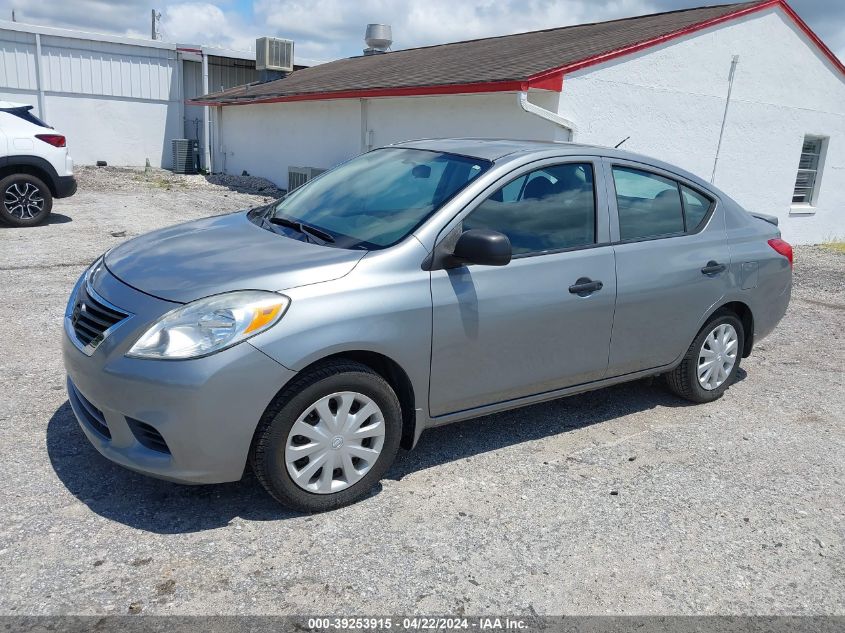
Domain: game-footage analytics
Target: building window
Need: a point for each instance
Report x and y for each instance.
(809, 171)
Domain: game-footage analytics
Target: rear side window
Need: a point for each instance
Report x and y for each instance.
(547, 209)
(26, 114)
(696, 207)
(649, 205)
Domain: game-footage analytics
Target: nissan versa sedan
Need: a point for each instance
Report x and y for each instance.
(413, 286)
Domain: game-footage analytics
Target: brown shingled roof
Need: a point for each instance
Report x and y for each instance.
(509, 62)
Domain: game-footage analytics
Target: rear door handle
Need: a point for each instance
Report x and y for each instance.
(585, 287)
(713, 268)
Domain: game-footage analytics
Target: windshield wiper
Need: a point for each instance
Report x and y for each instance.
(305, 229)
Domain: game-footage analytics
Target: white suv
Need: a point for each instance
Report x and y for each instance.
(35, 166)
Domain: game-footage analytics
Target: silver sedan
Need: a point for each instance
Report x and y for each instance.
(413, 286)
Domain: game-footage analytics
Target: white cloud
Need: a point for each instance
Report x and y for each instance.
(205, 23)
(333, 28)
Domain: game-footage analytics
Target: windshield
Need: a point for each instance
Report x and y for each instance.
(378, 198)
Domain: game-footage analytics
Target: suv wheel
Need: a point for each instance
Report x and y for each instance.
(711, 362)
(328, 438)
(27, 201)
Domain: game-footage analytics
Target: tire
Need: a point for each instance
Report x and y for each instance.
(26, 200)
(348, 385)
(684, 379)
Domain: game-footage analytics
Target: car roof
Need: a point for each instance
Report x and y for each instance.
(486, 148)
(11, 105)
(496, 149)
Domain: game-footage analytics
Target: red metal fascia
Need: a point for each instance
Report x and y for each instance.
(815, 38)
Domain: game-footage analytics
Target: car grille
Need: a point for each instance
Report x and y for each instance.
(147, 436)
(92, 318)
(88, 412)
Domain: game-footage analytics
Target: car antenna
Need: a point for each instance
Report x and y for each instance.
(620, 142)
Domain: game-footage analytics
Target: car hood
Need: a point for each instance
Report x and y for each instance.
(205, 257)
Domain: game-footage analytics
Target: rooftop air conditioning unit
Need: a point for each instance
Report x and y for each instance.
(298, 176)
(272, 53)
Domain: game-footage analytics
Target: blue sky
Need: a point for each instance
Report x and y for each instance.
(328, 29)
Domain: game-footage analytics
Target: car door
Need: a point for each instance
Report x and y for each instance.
(671, 260)
(501, 333)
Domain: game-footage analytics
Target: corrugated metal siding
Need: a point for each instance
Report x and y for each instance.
(104, 68)
(17, 60)
(92, 67)
(226, 73)
(221, 72)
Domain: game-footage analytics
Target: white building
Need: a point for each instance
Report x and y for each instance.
(741, 94)
(117, 99)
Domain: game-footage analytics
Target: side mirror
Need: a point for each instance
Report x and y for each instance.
(483, 247)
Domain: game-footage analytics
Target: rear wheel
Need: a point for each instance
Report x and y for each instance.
(328, 438)
(27, 201)
(711, 362)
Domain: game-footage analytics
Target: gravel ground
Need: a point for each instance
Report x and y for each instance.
(622, 501)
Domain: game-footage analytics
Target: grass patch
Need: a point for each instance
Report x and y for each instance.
(837, 247)
(160, 182)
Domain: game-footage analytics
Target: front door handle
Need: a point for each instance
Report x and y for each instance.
(585, 287)
(713, 268)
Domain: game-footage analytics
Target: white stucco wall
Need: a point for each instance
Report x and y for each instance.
(266, 139)
(670, 101)
(118, 131)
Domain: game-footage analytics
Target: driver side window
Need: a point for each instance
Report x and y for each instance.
(548, 209)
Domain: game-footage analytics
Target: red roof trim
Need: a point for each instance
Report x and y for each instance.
(551, 79)
(610, 55)
(815, 38)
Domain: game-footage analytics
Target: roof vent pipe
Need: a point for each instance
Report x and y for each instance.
(378, 37)
(548, 115)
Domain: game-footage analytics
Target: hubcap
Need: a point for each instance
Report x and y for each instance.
(335, 442)
(23, 200)
(717, 356)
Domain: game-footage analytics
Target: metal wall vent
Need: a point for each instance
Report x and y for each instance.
(298, 176)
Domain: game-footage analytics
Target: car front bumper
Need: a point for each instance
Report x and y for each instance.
(189, 421)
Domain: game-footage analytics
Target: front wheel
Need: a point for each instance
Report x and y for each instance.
(328, 437)
(711, 362)
(27, 201)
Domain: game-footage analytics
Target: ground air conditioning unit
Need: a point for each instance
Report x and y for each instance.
(298, 176)
(272, 53)
(185, 152)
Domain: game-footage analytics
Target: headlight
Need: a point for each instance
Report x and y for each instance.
(209, 325)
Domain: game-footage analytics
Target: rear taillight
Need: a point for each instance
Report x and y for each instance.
(56, 140)
(784, 248)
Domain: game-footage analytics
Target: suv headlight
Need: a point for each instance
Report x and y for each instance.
(210, 325)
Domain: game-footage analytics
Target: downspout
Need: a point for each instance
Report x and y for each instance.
(365, 125)
(206, 117)
(734, 62)
(548, 115)
(39, 79)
